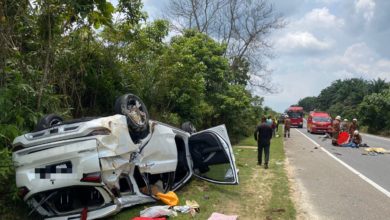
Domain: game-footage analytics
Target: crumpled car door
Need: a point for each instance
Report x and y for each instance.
(159, 155)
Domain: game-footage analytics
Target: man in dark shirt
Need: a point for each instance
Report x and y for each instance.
(263, 135)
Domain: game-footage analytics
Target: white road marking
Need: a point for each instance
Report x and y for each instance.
(369, 181)
(377, 137)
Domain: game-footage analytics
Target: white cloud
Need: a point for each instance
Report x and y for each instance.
(321, 18)
(365, 7)
(327, 1)
(358, 60)
(300, 41)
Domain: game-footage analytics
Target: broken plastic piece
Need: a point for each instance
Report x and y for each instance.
(194, 207)
(157, 211)
(182, 209)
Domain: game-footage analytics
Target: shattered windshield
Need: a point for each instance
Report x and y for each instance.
(295, 114)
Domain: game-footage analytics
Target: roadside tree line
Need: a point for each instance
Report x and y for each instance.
(366, 100)
(74, 58)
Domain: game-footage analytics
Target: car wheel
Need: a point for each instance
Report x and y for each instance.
(135, 111)
(188, 127)
(48, 121)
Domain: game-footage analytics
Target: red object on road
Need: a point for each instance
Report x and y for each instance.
(343, 138)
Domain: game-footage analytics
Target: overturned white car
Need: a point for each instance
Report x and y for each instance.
(99, 166)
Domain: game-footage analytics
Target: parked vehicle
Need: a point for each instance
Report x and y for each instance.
(319, 122)
(101, 165)
(295, 113)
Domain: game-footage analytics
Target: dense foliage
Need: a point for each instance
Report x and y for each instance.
(375, 111)
(74, 59)
(355, 98)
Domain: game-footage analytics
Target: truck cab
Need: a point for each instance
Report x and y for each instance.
(295, 113)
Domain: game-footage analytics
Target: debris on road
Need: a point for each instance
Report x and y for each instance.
(378, 150)
(370, 153)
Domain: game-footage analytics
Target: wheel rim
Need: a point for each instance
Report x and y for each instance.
(55, 122)
(135, 112)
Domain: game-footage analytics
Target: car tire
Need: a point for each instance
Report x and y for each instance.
(48, 121)
(188, 127)
(135, 111)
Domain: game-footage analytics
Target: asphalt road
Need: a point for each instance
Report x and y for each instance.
(376, 168)
(339, 182)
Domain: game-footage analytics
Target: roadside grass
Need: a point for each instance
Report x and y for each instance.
(261, 194)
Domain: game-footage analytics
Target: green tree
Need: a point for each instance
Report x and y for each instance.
(378, 85)
(374, 111)
(343, 96)
(308, 103)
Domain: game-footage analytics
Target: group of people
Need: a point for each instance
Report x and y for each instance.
(269, 126)
(339, 126)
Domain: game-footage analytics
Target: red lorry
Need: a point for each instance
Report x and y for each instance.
(295, 113)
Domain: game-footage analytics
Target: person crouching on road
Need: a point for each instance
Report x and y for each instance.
(263, 135)
(287, 126)
(335, 130)
(355, 141)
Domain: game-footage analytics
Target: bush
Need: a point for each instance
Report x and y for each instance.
(374, 111)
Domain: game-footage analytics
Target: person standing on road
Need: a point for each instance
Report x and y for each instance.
(263, 135)
(287, 126)
(353, 127)
(273, 126)
(336, 129)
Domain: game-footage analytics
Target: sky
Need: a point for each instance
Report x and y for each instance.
(324, 40)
